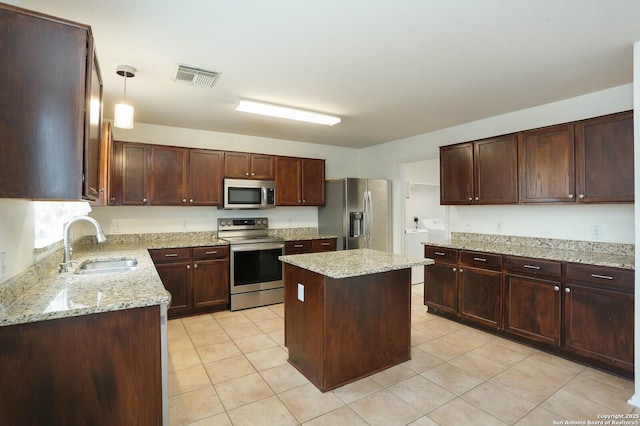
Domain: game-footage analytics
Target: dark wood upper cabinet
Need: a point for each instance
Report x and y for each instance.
(205, 177)
(243, 165)
(49, 140)
(480, 172)
(456, 174)
(604, 159)
(547, 165)
(129, 184)
(496, 170)
(300, 181)
(169, 167)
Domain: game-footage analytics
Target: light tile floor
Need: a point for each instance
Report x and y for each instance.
(230, 368)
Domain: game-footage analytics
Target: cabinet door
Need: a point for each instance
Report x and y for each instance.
(210, 283)
(480, 296)
(130, 175)
(237, 165)
(604, 159)
(288, 185)
(92, 188)
(205, 177)
(456, 174)
(441, 287)
(547, 165)
(263, 167)
(43, 99)
(496, 170)
(598, 323)
(533, 308)
(175, 277)
(312, 182)
(168, 175)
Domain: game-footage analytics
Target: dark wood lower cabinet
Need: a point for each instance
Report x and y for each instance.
(532, 308)
(579, 311)
(479, 295)
(197, 278)
(99, 369)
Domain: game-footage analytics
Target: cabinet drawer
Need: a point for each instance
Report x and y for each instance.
(166, 255)
(328, 244)
(441, 254)
(214, 252)
(481, 260)
(297, 247)
(531, 266)
(600, 275)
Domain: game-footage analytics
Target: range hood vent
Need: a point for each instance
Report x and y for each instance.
(195, 76)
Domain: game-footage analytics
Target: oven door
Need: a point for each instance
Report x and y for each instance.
(255, 267)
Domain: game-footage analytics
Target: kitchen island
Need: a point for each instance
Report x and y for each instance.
(347, 313)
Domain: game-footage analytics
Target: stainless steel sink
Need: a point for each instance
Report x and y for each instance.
(107, 266)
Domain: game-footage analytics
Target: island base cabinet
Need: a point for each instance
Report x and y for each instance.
(340, 330)
(598, 324)
(99, 369)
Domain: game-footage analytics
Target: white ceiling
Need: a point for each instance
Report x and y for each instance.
(390, 69)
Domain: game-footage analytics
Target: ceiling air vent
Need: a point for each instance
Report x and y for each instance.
(195, 76)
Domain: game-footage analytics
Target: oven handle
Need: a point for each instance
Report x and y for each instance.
(257, 246)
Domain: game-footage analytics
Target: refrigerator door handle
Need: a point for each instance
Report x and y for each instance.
(368, 214)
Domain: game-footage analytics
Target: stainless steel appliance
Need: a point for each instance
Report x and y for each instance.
(358, 211)
(255, 272)
(249, 194)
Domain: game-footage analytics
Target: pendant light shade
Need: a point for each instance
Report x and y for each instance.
(123, 113)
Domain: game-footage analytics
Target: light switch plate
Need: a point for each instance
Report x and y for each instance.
(301, 292)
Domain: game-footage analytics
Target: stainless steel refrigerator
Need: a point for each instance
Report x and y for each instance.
(358, 211)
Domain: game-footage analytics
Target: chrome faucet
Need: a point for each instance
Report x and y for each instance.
(67, 239)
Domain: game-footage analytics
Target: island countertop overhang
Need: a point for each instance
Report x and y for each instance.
(352, 263)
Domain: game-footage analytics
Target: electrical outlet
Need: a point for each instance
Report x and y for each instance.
(116, 227)
(596, 232)
(3, 263)
(185, 225)
(467, 226)
(499, 228)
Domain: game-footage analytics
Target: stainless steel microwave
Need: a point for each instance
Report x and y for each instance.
(249, 194)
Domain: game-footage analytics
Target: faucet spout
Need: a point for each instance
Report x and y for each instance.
(67, 235)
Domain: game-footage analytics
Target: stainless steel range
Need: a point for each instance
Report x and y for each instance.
(255, 271)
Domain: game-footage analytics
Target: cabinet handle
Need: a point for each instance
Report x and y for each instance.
(479, 259)
(210, 252)
(246, 174)
(477, 198)
(532, 267)
(184, 200)
(438, 253)
(191, 200)
(461, 271)
(253, 174)
(144, 200)
(112, 199)
(581, 196)
(604, 277)
(455, 269)
(570, 195)
(470, 198)
(324, 244)
(171, 255)
(556, 288)
(567, 290)
(304, 201)
(195, 266)
(298, 245)
(188, 266)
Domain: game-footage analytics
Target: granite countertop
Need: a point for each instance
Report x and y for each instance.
(351, 263)
(67, 294)
(298, 234)
(595, 258)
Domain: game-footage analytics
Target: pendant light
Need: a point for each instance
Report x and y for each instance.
(123, 113)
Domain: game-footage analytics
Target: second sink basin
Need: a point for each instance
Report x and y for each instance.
(107, 266)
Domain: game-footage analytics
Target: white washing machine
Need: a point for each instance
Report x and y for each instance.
(413, 247)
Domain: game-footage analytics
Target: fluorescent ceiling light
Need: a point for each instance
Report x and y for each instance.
(286, 112)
